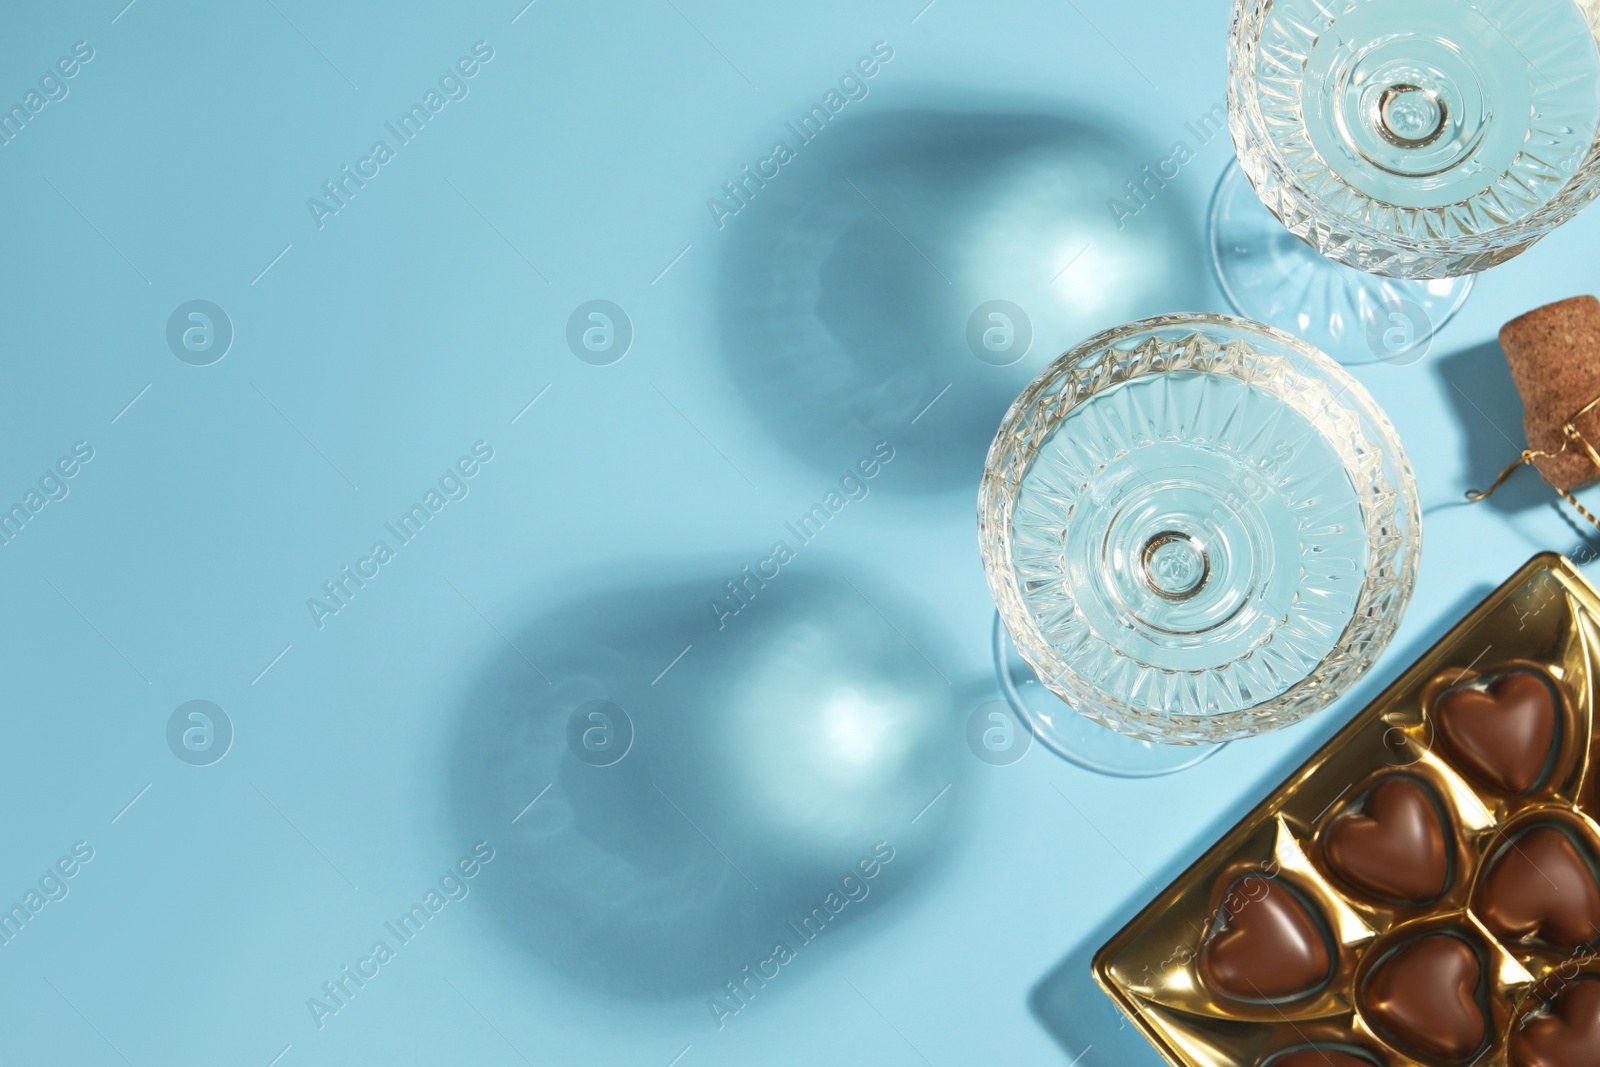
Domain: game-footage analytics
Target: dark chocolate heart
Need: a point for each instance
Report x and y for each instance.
(1503, 736)
(1539, 887)
(1394, 846)
(1265, 945)
(1567, 1034)
(1319, 1056)
(1423, 999)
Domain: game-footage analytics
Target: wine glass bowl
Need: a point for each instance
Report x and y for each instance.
(1197, 528)
(1418, 138)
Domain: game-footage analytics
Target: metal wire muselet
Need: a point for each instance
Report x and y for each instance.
(1572, 435)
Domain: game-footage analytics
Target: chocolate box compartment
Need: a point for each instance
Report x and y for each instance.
(1544, 617)
(1341, 1043)
(1196, 958)
(1401, 842)
(1538, 888)
(1557, 1024)
(1514, 733)
(1439, 992)
(1322, 1046)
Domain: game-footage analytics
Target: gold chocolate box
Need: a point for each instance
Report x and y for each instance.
(1425, 890)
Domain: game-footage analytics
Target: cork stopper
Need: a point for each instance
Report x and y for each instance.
(1554, 355)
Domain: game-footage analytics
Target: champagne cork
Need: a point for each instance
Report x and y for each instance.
(1554, 355)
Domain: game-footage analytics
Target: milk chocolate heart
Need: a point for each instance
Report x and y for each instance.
(1265, 946)
(1503, 737)
(1565, 1035)
(1319, 1056)
(1394, 846)
(1540, 887)
(1423, 998)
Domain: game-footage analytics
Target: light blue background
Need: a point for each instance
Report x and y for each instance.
(772, 354)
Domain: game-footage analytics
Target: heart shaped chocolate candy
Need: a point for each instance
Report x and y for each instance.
(1565, 1035)
(1423, 999)
(1265, 945)
(1394, 846)
(1540, 887)
(1503, 736)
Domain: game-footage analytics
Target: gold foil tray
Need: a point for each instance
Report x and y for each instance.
(1162, 968)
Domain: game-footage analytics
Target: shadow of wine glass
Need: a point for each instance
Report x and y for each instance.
(701, 796)
(859, 295)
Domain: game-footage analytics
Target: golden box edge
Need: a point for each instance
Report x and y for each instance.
(1553, 563)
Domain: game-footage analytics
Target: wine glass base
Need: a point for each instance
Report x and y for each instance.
(1078, 739)
(1270, 275)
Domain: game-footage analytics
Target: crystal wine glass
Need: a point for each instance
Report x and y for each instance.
(1421, 140)
(1196, 528)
